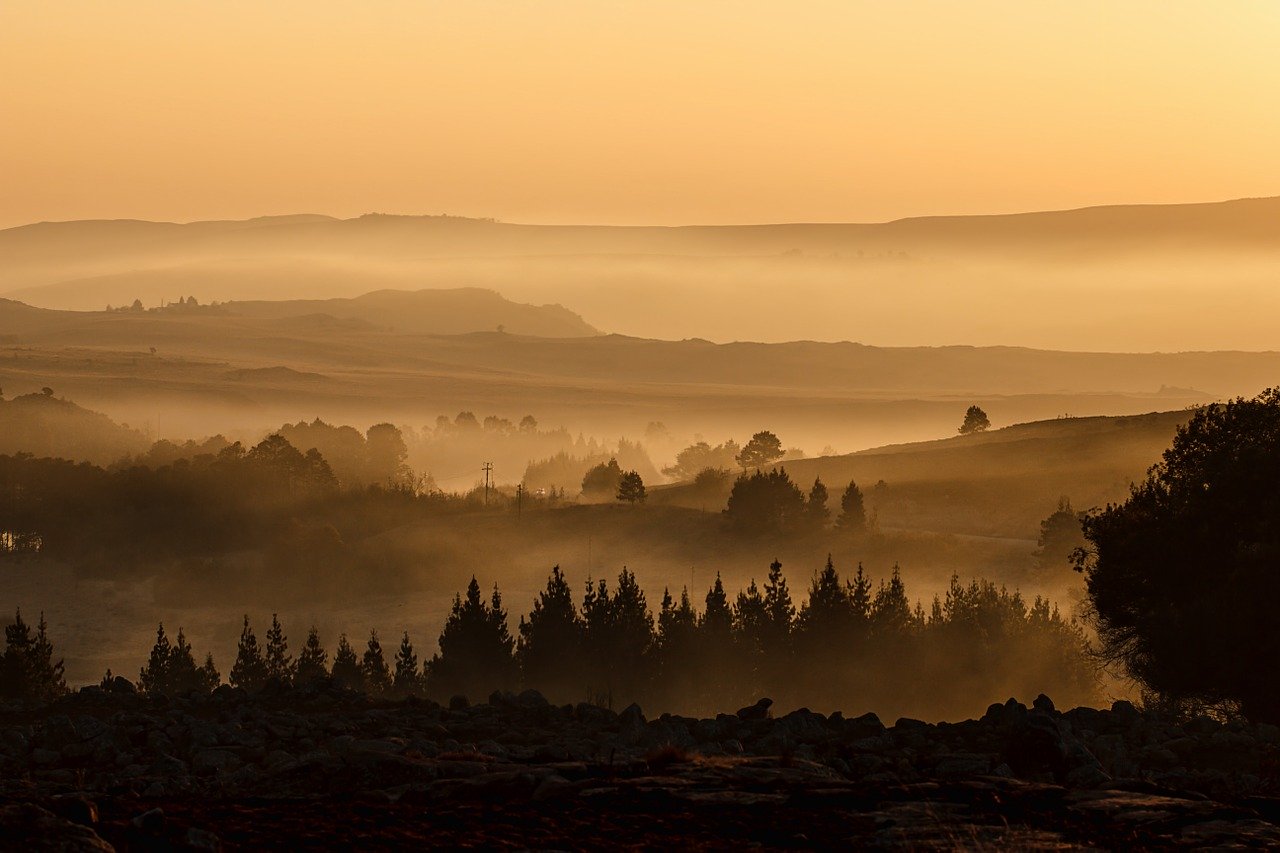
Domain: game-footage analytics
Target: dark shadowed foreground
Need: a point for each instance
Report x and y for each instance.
(326, 768)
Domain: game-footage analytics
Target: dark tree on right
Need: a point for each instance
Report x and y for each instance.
(1184, 576)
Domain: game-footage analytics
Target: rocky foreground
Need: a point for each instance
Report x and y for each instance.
(324, 768)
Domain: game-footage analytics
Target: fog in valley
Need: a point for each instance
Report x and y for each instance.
(294, 416)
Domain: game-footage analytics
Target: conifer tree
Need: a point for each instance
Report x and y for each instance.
(210, 678)
(46, 675)
(250, 669)
(891, 611)
(779, 610)
(408, 680)
(476, 648)
(183, 676)
(853, 511)
(279, 662)
(346, 666)
(631, 488)
(377, 677)
(311, 660)
(750, 635)
(619, 633)
(154, 677)
(860, 596)
(549, 651)
(816, 506)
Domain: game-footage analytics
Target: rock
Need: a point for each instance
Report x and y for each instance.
(532, 699)
(26, 826)
(213, 761)
(44, 757)
(458, 703)
(202, 840)
(866, 726)
(150, 822)
(962, 766)
(758, 711)
(1043, 703)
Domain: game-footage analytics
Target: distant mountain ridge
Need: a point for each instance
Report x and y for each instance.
(1243, 223)
(431, 312)
(1128, 278)
(423, 312)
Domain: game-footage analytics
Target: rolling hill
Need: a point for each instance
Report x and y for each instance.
(1125, 278)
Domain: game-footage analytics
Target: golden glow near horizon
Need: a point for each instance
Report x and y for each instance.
(722, 111)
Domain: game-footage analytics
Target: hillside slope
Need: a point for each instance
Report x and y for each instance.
(1000, 483)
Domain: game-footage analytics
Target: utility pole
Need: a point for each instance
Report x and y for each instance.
(488, 467)
(519, 498)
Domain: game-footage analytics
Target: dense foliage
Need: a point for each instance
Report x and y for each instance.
(1184, 575)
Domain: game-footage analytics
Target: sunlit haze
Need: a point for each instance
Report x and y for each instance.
(657, 112)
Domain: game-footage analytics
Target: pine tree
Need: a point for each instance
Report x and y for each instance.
(549, 652)
(279, 662)
(15, 676)
(250, 669)
(853, 512)
(476, 649)
(717, 619)
(47, 681)
(346, 666)
(779, 610)
(377, 677)
(183, 677)
(631, 488)
(891, 611)
(816, 506)
(311, 660)
(408, 681)
(210, 678)
(154, 677)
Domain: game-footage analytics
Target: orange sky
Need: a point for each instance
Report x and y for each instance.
(620, 112)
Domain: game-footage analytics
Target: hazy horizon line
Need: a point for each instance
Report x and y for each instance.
(655, 225)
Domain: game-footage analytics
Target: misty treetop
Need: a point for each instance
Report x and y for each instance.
(852, 643)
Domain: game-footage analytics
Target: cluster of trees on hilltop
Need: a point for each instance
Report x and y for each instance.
(768, 501)
(853, 643)
(203, 506)
(46, 425)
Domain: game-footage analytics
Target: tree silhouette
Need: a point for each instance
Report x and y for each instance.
(373, 666)
(346, 666)
(1060, 536)
(816, 506)
(631, 488)
(765, 501)
(312, 660)
(279, 662)
(34, 672)
(549, 652)
(408, 680)
(171, 668)
(975, 420)
(619, 634)
(602, 480)
(1182, 576)
(853, 512)
(250, 669)
(476, 648)
(763, 449)
(210, 678)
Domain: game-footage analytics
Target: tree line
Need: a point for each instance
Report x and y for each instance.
(852, 643)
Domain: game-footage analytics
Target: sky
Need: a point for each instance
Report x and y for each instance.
(597, 111)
